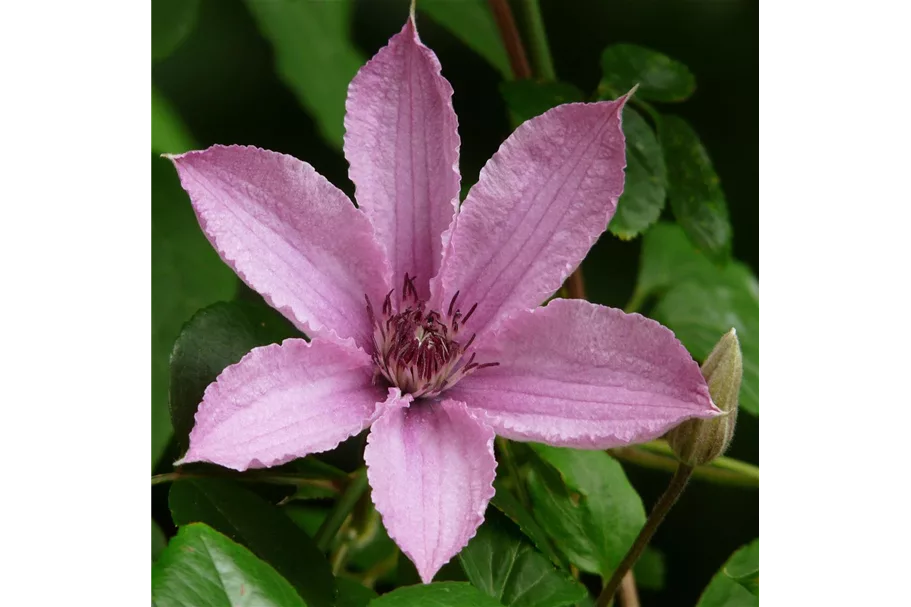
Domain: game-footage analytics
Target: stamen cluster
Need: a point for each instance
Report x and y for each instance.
(417, 350)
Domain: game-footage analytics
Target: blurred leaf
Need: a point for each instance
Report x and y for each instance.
(216, 337)
(695, 192)
(169, 134)
(441, 594)
(650, 570)
(247, 518)
(503, 563)
(700, 314)
(701, 301)
(372, 545)
(669, 258)
(172, 22)
(307, 515)
(659, 77)
(528, 98)
(471, 22)
(585, 503)
(750, 581)
(646, 179)
(204, 568)
(186, 276)
(159, 540)
(352, 594)
(724, 591)
(314, 55)
(504, 501)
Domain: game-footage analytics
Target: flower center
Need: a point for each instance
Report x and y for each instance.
(420, 351)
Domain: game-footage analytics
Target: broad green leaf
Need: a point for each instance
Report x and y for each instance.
(700, 314)
(503, 563)
(504, 501)
(528, 98)
(471, 22)
(186, 275)
(214, 338)
(585, 503)
(352, 594)
(441, 594)
(649, 569)
(750, 580)
(659, 77)
(159, 541)
(695, 192)
(314, 55)
(700, 301)
(169, 134)
(263, 528)
(172, 22)
(724, 590)
(646, 179)
(203, 568)
(669, 258)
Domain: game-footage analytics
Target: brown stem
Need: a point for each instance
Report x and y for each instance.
(665, 503)
(575, 284)
(518, 60)
(629, 596)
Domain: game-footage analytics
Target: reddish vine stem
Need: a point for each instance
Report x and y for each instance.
(506, 23)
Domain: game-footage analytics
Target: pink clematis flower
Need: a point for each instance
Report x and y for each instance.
(424, 317)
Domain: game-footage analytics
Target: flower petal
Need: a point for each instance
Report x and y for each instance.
(538, 207)
(285, 401)
(290, 235)
(402, 143)
(431, 468)
(575, 374)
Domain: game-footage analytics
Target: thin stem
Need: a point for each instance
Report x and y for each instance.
(635, 302)
(537, 40)
(506, 452)
(272, 479)
(730, 471)
(665, 503)
(518, 60)
(629, 596)
(722, 463)
(575, 284)
(342, 509)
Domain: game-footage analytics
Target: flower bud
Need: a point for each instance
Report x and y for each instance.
(699, 441)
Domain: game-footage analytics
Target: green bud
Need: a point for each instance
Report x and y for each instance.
(699, 441)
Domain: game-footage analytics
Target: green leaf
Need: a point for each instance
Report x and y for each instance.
(504, 501)
(186, 276)
(750, 580)
(471, 22)
(700, 301)
(172, 22)
(216, 337)
(204, 568)
(247, 518)
(528, 98)
(695, 192)
(725, 590)
(659, 77)
(500, 561)
(584, 501)
(699, 315)
(314, 55)
(169, 134)
(650, 570)
(669, 258)
(352, 594)
(159, 541)
(646, 179)
(443, 594)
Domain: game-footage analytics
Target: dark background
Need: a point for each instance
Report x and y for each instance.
(222, 83)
